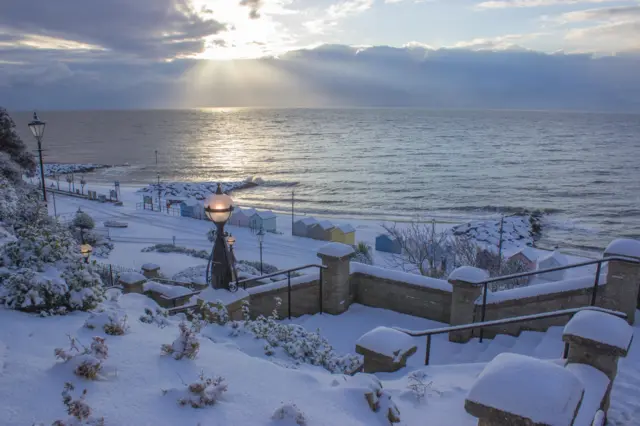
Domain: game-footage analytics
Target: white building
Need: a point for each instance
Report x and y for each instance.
(241, 217)
(552, 260)
(265, 219)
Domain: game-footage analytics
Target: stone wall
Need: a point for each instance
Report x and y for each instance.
(416, 295)
(510, 305)
(305, 297)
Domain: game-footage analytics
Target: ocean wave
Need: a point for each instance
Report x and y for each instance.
(512, 210)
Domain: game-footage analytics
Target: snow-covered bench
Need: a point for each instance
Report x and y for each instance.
(132, 282)
(165, 295)
(385, 349)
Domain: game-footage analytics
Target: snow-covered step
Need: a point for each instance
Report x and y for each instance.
(527, 342)
(551, 346)
(501, 343)
(470, 352)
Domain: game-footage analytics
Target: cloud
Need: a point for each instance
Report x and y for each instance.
(153, 29)
(348, 7)
(501, 4)
(505, 42)
(254, 7)
(602, 14)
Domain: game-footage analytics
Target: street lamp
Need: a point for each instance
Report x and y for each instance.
(260, 240)
(85, 250)
(218, 208)
(231, 240)
(37, 129)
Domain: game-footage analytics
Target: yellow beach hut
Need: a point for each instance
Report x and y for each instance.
(344, 234)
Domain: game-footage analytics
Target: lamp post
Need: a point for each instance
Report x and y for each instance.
(159, 195)
(218, 208)
(260, 240)
(37, 129)
(85, 250)
(231, 240)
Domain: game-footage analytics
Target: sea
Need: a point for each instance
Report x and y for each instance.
(582, 170)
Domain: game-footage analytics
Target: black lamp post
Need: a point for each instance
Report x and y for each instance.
(218, 208)
(37, 129)
(260, 240)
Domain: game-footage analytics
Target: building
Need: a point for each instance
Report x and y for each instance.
(388, 244)
(344, 234)
(192, 208)
(241, 217)
(527, 256)
(301, 226)
(265, 219)
(552, 260)
(321, 230)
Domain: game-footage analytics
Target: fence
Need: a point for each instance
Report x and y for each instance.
(594, 291)
(110, 273)
(173, 211)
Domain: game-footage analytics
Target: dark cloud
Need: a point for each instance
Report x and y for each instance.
(336, 75)
(254, 7)
(154, 29)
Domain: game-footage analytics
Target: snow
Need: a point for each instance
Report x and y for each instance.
(303, 279)
(528, 253)
(227, 297)
(132, 277)
(386, 341)
(469, 274)
(405, 277)
(197, 190)
(600, 327)
(61, 169)
(624, 247)
(595, 384)
(539, 390)
(543, 288)
(516, 231)
(325, 224)
(308, 221)
(150, 266)
(555, 258)
(169, 291)
(338, 250)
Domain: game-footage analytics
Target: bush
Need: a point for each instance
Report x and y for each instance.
(362, 253)
(186, 345)
(110, 322)
(170, 248)
(290, 412)
(204, 392)
(86, 290)
(78, 409)
(8, 201)
(159, 317)
(26, 290)
(88, 361)
(83, 221)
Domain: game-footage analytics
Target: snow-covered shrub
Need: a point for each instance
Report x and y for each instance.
(214, 312)
(26, 290)
(8, 200)
(111, 322)
(159, 317)
(300, 344)
(85, 286)
(211, 235)
(290, 412)
(267, 268)
(11, 144)
(170, 248)
(83, 221)
(419, 387)
(362, 253)
(186, 345)
(205, 392)
(87, 361)
(78, 410)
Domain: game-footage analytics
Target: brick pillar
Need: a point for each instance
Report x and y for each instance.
(335, 279)
(466, 290)
(623, 278)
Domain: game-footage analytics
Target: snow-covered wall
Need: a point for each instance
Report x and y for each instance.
(401, 292)
(305, 296)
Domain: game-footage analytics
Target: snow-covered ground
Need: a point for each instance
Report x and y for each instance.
(282, 249)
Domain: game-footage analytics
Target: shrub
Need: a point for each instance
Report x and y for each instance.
(419, 387)
(83, 221)
(110, 322)
(88, 361)
(204, 392)
(85, 286)
(362, 253)
(78, 409)
(8, 201)
(40, 243)
(26, 290)
(159, 317)
(170, 248)
(186, 345)
(291, 412)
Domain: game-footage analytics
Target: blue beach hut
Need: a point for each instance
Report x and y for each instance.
(388, 244)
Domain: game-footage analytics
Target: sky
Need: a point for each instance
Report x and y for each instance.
(540, 54)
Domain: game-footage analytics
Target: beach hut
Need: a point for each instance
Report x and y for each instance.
(321, 230)
(388, 244)
(192, 208)
(527, 256)
(345, 234)
(552, 260)
(241, 217)
(265, 219)
(301, 226)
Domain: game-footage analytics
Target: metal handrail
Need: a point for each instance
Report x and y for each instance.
(274, 274)
(512, 320)
(598, 262)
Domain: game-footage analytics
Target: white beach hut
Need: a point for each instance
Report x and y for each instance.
(241, 217)
(552, 260)
(264, 219)
(527, 256)
(301, 226)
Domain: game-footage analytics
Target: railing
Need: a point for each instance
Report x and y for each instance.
(504, 321)
(110, 273)
(244, 282)
(594, 291)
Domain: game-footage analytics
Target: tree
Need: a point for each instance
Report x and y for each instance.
(12, 145)
(424, 249)
(83, 182)
(83, 222)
